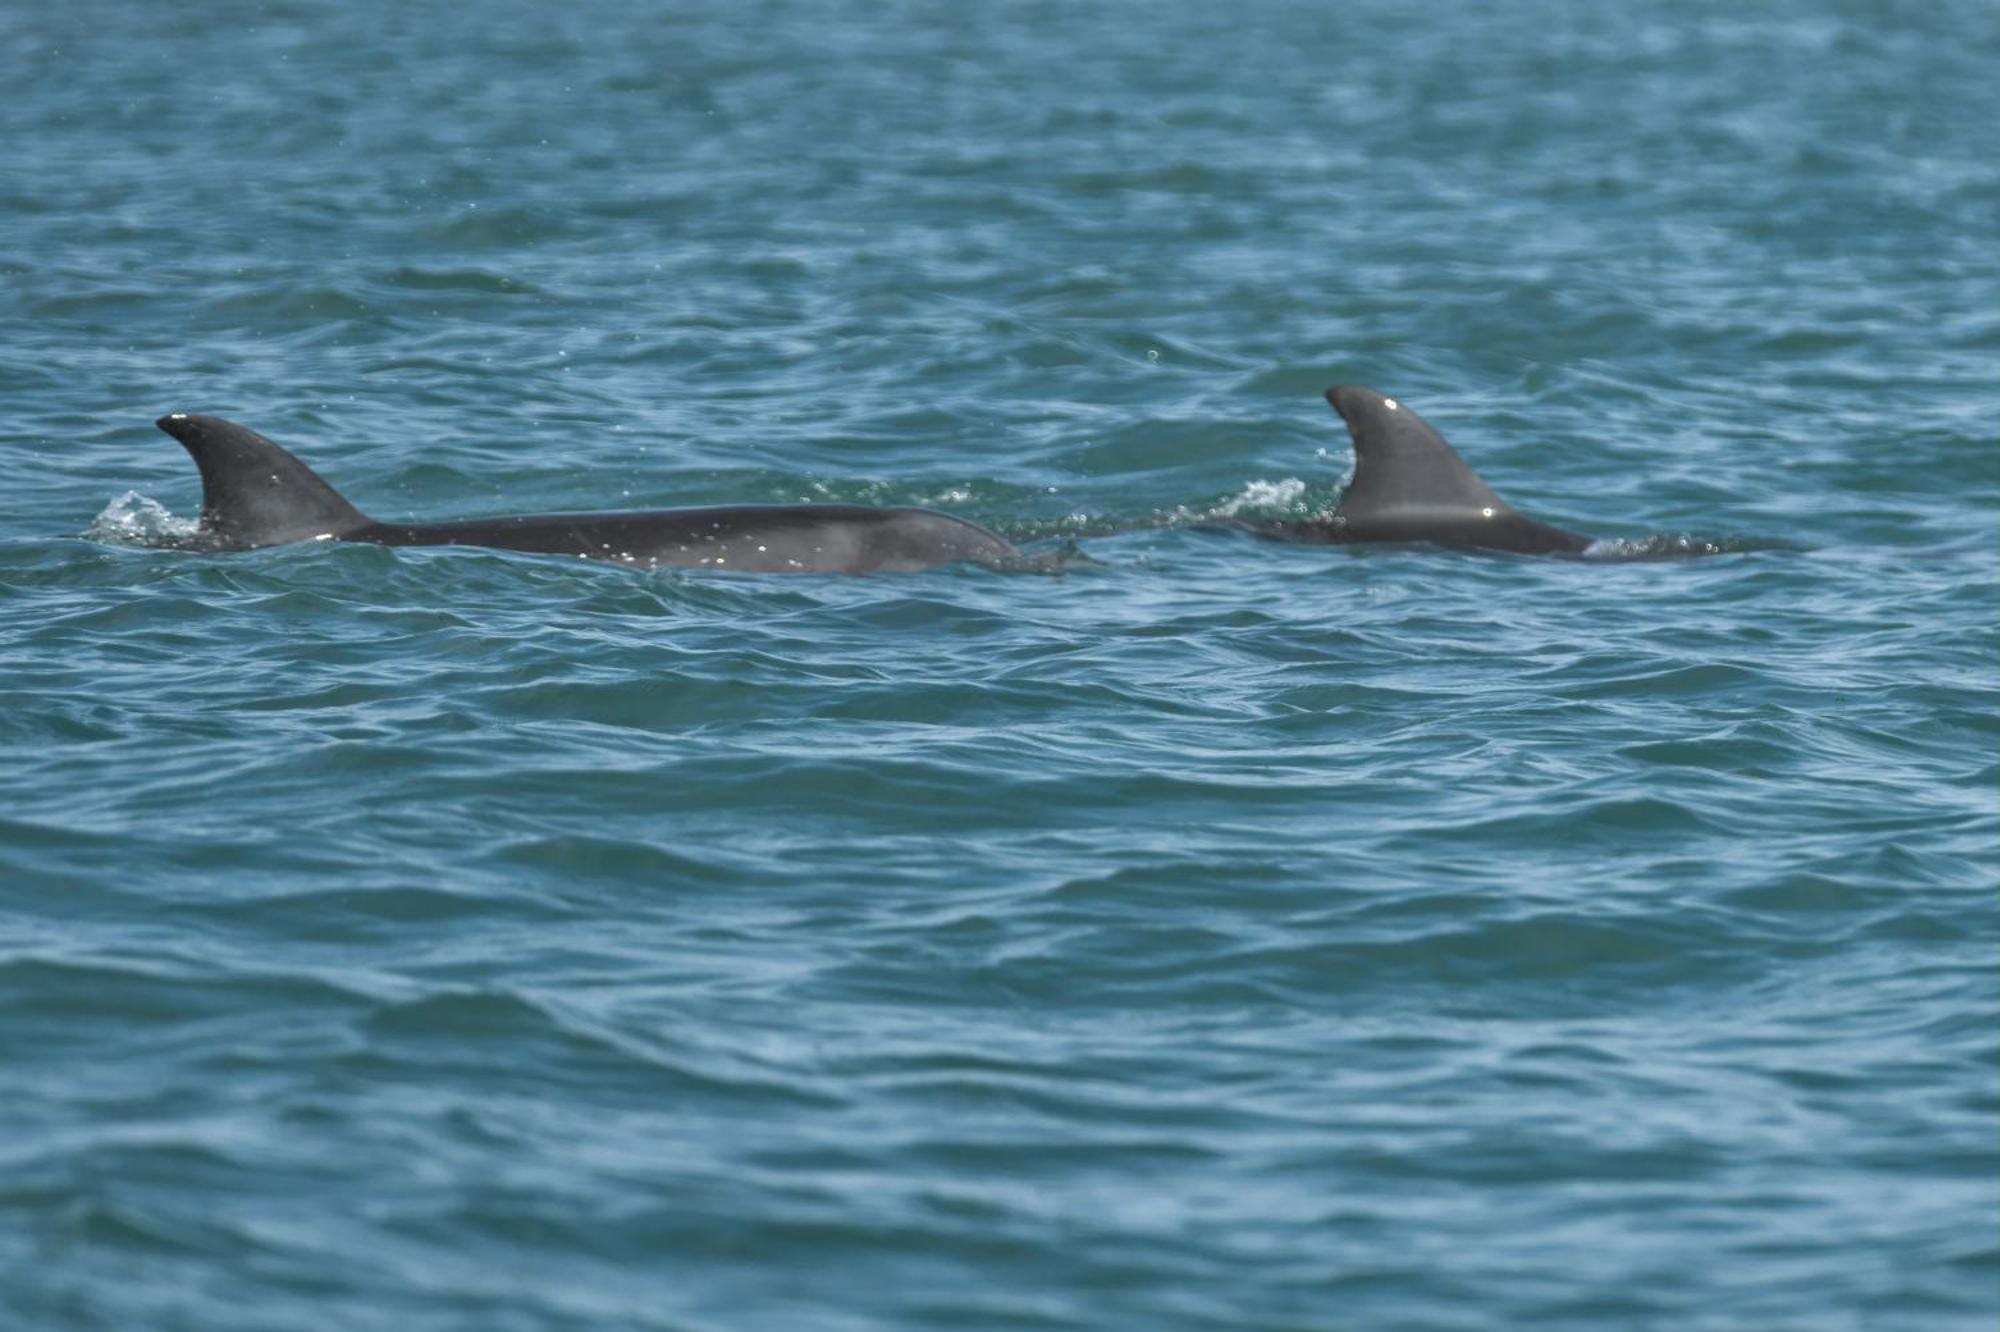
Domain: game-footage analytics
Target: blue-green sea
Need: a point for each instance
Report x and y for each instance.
(1212, 933)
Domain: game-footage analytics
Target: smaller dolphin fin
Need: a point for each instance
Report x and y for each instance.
(1409, 485)
(254, 493)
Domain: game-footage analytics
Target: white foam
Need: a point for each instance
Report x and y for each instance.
(1262, 495)
(133, 519)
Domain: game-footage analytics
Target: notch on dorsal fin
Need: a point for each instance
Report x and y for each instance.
(254, 493)
(1409, 485)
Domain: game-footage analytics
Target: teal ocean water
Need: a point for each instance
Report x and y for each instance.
(1215, 934)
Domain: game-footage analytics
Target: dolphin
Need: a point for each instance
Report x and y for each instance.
(1409, 485)
(254, 493)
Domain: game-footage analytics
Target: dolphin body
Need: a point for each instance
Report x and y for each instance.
(1409, 485)
(254, 493)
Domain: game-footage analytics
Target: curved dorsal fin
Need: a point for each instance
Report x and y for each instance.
(254, 493)
(1409, 485)
(1401, 461)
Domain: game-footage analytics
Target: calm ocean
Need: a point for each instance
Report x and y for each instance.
(1215, 934)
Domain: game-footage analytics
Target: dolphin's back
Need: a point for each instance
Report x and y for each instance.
(752, 538)
(254, 493)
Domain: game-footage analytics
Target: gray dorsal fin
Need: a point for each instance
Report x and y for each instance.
(254, 493)
(1401, 462)
(1409, 485)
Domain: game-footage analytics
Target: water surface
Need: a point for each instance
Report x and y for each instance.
(1219, 934)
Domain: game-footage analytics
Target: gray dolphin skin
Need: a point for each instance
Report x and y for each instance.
(254, 494)
(1409, 485)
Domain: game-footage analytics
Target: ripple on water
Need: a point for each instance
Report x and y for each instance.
(1218, 933)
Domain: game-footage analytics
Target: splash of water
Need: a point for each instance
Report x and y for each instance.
(133, 519)
(1262, 496)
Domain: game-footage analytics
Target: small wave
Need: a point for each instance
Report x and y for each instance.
(1289, 497)
(1056, 560)
(476, 280)
(1678, 546)
(1286, 498)
(133, 519)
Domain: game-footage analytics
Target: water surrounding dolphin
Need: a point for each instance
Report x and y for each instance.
(254, 493)
(1409, 485)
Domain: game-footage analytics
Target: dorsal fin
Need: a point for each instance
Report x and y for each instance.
(254, 493)
(1401, 461)
(1409, 485)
